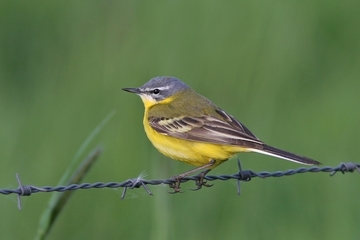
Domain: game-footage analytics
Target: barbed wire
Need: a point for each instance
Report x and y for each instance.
(241, 175)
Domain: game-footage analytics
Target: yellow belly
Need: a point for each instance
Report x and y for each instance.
(195, 153)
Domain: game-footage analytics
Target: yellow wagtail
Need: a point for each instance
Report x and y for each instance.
(186, 126)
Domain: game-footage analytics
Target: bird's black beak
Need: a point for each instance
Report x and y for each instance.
(132, 90)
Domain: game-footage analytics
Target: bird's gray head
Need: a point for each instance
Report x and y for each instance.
(159, 88)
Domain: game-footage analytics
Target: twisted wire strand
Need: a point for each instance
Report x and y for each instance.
(241, 175)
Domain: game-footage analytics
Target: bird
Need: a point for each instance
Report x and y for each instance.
(186, 126)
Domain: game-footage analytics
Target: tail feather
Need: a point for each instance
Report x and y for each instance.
(275, 152)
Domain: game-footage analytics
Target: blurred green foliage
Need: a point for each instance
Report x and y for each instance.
(289, 70)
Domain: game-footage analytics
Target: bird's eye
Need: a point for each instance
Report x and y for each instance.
(156, 91)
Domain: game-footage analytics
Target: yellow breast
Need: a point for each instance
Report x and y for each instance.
(195, 153)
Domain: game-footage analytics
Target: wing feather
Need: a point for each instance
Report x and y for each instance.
(221, 130)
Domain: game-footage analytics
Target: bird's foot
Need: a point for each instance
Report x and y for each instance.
(201, 182)
(176, 185)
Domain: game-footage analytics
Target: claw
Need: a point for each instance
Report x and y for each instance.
(207, 185)
(199, 186)
(200, 182)
(176, 185)
(175, 191)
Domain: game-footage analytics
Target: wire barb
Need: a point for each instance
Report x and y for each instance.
(24, 190)
(241, 175)
(346, 167)
(136, 183)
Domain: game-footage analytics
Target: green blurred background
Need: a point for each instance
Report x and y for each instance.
(289, 70)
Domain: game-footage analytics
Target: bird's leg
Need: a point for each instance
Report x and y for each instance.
(199, 183)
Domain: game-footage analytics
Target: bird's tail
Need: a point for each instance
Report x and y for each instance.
(275, 152)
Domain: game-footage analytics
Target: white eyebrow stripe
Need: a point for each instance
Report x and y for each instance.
(160, 88)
